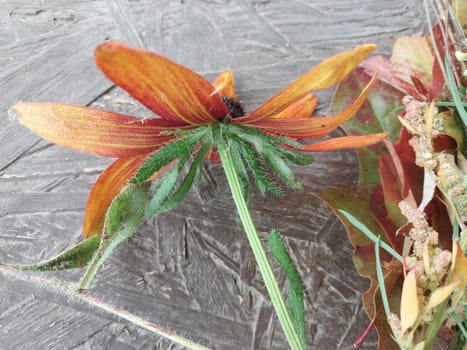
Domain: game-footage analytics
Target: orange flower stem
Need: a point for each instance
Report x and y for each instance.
(257, 248)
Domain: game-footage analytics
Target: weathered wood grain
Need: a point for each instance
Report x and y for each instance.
(189, 270)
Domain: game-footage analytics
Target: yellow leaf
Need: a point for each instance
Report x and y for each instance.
(409, 301)
(419, 346)
(459, 265)
(441, 294)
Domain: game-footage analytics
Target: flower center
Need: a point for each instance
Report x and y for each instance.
(234, 106)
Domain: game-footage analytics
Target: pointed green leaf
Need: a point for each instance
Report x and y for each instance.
(122, 220)
(168, 153)
(75, 257)
(280, 168)
(185, 187)
(256, 165)
(295, 297)
(293, 157)
(256, 136)
(163, 189)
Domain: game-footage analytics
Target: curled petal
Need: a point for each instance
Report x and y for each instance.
(323, 76)
(107, 187)
(224, 84)
(345, 142)
(303, 108)
(170, 90)
(302, 128)
(93, 130)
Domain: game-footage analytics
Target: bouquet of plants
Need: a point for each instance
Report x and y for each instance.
(409, 226)
(406, 217)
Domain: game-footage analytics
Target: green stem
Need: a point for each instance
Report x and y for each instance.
(258, 251)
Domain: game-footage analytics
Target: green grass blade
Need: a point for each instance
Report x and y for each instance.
(449, 104)
(435, 324)
(455, 93)
(460, 325)
(354, 221)
(380, 276)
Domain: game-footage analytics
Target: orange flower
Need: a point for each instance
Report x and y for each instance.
(183, 100)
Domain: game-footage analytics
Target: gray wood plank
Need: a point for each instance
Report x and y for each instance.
(189, 270)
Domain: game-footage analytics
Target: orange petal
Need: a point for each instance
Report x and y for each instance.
(345, 142)
(312, 127)
(324, 75)
(108, 185)
(303, 108)
(168, 89)
(224, 84)
(93, 130)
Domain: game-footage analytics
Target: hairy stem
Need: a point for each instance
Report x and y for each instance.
(257, 248)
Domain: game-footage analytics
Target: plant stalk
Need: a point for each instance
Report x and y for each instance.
(258, 250)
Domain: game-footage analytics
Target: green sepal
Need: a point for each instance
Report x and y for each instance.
(75, 257)
(295, 302)
(167, 154)
(185, 186)
(122, 220)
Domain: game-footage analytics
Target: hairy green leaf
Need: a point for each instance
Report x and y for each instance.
(75, 257)
(164, 188)
(280, 168)
(295, 297)
(122, 220)
(294, 157)
(168, 153)
(184, 188)
(255, 164)
(256, 136)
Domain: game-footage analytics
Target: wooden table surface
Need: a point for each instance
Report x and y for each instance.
(191, 270)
